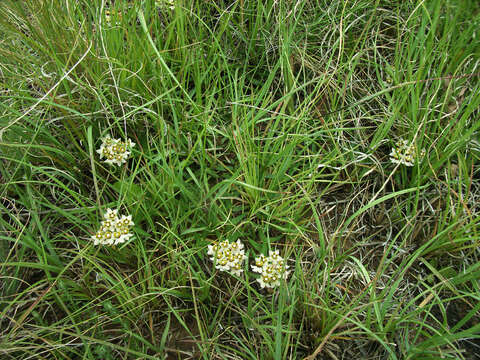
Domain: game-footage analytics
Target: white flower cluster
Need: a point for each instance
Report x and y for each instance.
(405, 153)
(228, 256)
(271, 269)
(117, 15)
(165, 4)
(114, 150)
(114, 230)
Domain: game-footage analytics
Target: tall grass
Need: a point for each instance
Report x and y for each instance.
(265, 121)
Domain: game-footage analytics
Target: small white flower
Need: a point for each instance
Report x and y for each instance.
(165, 4)
(98, 277)
(117, 15)
(113, 230)
(111, 215)
(115, 151)
(228, 256)
(271, 269)
(406, 153)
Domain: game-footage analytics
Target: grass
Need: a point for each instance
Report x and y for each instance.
(265, 121)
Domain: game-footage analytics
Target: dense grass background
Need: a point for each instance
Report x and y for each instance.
(265, 121)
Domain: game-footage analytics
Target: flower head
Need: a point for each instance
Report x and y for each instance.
(113, 230)
(228, 256)
(115, 151)
(165, 4)
(271, 269)
(109, 14)
(406, 153)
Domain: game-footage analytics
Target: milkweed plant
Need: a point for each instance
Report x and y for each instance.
(406, 153)
(272, 269)
(229, 257)
(114, 229)
(115, 151)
